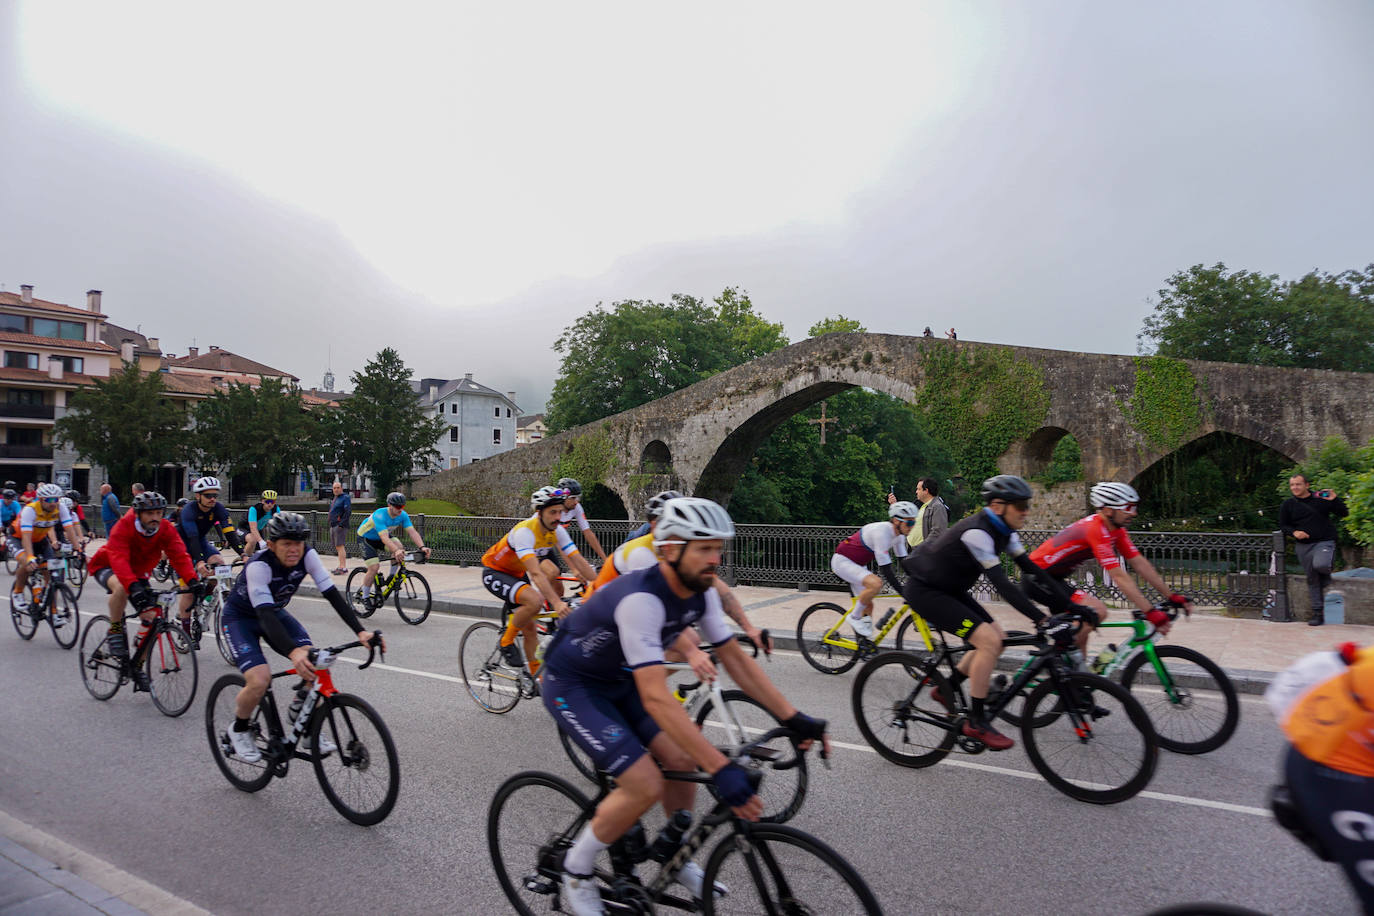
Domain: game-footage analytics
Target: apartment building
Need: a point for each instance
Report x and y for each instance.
(481, 421)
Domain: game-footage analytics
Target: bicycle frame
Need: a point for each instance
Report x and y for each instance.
(394, 579)
(832, 636)
(286, 741)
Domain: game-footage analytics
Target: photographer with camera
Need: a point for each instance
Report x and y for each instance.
(1306, 518)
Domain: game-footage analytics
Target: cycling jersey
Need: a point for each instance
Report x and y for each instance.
(265, 581)
(637, 553)
(132, 555)
(382, 520)
(1333, 723)
(876, 541)
(1086, 539)
(576, 514)
(9, 511)
(194, 524)
(258, 514)
(527, 539)
(37, 516)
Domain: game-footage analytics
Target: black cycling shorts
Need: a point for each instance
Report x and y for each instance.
(503, 585)
(1038, 593)
(1339, 809)
(953, 613)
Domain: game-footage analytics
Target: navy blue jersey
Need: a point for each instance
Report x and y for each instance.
(265, 581)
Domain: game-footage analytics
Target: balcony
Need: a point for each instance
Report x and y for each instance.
(27, 411)
(42, 452)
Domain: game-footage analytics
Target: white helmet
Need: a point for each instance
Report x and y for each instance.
(690, 518)
(48, 491)
(902, 509)
(66, 503)
(205, 483)
(1111, 495)
(544, 497)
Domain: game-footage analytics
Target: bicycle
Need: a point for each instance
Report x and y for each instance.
(776, 868)
(368, 595)
(362, 762)
(76, 568)
(54, 603)
(830, 652)
(161, 647)
(1195, 709)
(207, 613)
(1088, 752)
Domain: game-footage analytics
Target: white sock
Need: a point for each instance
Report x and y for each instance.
(581, 858)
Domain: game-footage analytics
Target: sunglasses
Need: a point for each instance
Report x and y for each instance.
(1021, 505)
(49, 500)
(210, 495)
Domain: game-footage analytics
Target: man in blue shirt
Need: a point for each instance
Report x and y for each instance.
(378, 535)
(340, 512)
(109, 507)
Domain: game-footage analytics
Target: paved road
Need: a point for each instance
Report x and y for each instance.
(971, 835)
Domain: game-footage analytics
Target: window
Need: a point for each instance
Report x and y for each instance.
(23, 435)
(51, 327)
(452, 437)
(13, 323)
(496, 411)
(507, 413)
(17, 360)
(23, 396)
(453, 407)
(73, 364)
(496, 437)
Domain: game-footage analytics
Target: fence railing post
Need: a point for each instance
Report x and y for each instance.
(1279, 563)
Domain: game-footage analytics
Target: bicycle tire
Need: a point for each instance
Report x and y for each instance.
(1088, 690)
(1012, 711)
(492, 685)
(815, 621)
(101, 672)
(226, 648)
(64, 606)
(580, 761)
(1204, 909)
(784, 789)
(884, 708)
(359, 599)
(172, 670)
(413, 586)
(11, 561)
(1165, 711)
(909, 641)
(528, 837)
(219, 718)
(25, 624)
(77, 573)
(832, 885)
(356, 759)
(162, 571)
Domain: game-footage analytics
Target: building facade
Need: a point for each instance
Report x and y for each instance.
(481, 421)
(530, 429)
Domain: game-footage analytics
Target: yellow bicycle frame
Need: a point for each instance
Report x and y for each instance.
(833, 637)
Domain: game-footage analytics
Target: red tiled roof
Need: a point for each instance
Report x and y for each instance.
(40, 377)
(51, 342)
(7, 298)
(212, 361)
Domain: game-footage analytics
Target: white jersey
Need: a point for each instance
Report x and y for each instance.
(576, 514)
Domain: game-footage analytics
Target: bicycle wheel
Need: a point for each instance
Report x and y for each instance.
(783, 788)
(1097, 758)
(171, 670)
(580, 761)
(101, 672)
(362, 777)
(76, 573)
(418, 600)
(897, 713)
(909, 638)
(492, 685)
(25, 624)
(815, 622)
(358, 590)
(11, 561)
(226, 648)
(162, 571)
(1197, 711)
(64, 618)
(531, 823)
(774, 868)
(219, 718)
(1013, 711)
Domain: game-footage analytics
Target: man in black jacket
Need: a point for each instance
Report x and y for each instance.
(1306, 518)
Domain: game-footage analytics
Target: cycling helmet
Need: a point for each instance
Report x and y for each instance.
(148, 501)
(902, 509)
(654, 507)
(1006, 487)
(1112, 495)
(205, 483)
(66, 503)
(270, 495)
(544, 497)
(9, 494)
(394, 498)
(572, 486)
(290, 526)
(690, 518)
(49, 491)
(74, 495)
(183, 501)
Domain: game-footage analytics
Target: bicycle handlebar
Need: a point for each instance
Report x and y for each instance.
(373, 648)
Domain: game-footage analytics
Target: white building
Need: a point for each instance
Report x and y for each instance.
(480, 420)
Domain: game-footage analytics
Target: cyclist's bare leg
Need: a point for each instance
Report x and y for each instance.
(1086, 631)
(978, 665)
(640, 786)
(254, 689)
(553, 572)
(872, 585)
(528, 605)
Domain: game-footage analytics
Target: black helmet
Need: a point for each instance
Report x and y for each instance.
(149, 500)
(1006, 487)
(290, 526)
(183, 501)
(74, 495)
(396, 498)
(571, 485)
(9, 494)
(654, 507)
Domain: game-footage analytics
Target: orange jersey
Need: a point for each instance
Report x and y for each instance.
(621, 561)
(1333, 723)
(527, 539)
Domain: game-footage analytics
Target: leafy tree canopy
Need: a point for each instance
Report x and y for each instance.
(264, 432)
(837, 325)
(382, 427)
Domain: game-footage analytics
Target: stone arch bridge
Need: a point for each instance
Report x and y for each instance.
(699, 439)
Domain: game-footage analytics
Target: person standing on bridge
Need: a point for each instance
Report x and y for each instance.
(1306, 518)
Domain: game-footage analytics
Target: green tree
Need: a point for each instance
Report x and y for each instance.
(638, 351)
(126, 423)
(1320, 321)
(264, 432)
(837, 325)
(382, 426)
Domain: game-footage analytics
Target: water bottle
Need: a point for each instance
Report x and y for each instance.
(1076, 660)
(1104, 658)
(670, 837)
(294, 709)
(886, 617)
(633, 846)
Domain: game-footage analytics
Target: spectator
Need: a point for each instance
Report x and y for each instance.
(340, 516)
(927, 332)
(30, 493)
(109, 507)
(933, 516)
(951, 335)
(1306, 518)
(136, 489)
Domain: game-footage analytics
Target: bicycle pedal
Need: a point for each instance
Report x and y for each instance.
(538, 884)
(970, 745)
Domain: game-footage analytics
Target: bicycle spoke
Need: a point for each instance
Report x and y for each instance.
(361, 775)
(774, 870)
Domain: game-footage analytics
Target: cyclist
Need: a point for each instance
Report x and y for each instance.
(258, 515)
(943, 571)
(9, 508)
(605, 685)
(519, 569)
(75, 497)
(377, 535)
(123, 563)
(573, 512)
(878, 540)
(38, 521)
(1101, 536)
(255, 609)
(197, 517)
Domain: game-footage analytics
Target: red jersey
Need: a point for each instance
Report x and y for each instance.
(1086, 539)
(133, 556)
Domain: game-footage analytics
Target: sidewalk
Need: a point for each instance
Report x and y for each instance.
(1251, 651)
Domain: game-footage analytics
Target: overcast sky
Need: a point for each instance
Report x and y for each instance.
(287, 180)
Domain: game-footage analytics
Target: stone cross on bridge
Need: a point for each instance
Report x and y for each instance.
(1125, 412)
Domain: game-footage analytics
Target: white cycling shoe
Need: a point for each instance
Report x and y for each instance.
(243, 745)
(692, 877)
(862, 625)
(327, 745)
(581, 896)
